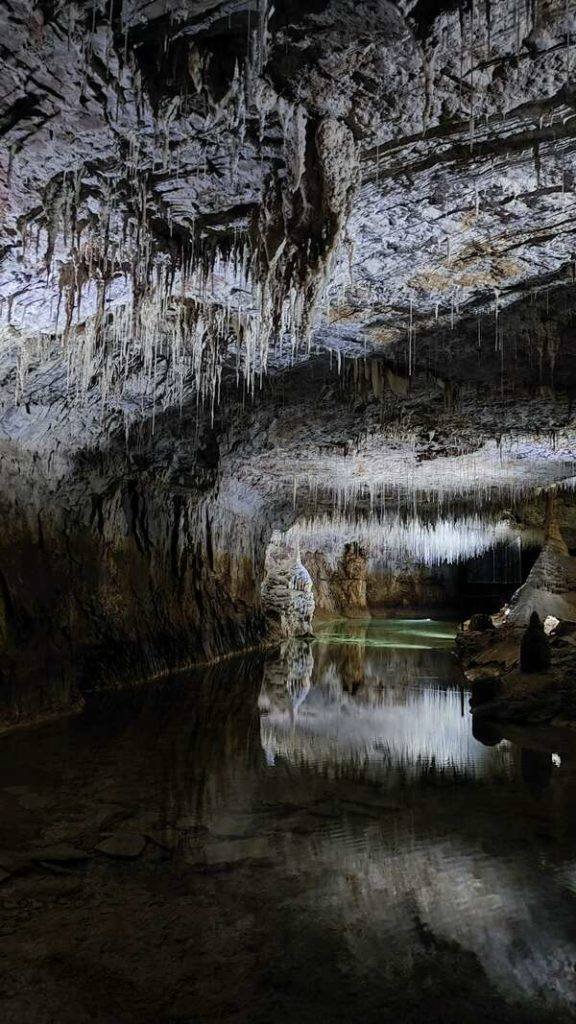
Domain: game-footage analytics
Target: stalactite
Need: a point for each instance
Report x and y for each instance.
(388, 537)
(291, 277)
(92, 242)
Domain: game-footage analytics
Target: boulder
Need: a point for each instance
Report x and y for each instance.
(126, 845)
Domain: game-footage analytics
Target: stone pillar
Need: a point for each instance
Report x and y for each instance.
(550, 588)
(287, 597)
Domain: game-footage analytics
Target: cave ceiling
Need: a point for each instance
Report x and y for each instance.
(357, 216)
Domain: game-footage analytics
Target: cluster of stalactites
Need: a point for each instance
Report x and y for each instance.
(395, 482)
(181, 323)
(162, 351)
(393, 539)
(302, 222)
(133, 309)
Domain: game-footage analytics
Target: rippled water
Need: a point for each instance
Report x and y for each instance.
(326, 841)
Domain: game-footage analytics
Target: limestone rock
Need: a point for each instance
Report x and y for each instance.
(550, 588)
(340, 587)
(287, 592)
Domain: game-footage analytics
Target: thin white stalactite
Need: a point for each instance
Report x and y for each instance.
(389, 539)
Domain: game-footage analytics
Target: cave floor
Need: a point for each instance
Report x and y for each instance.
(310, 835)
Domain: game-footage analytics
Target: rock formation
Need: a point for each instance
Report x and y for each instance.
(407, 586)
(260, 265)
(550, 588)
(534, 647)
(531, 639)
(481, 623)
(287, 598)
(340, 589)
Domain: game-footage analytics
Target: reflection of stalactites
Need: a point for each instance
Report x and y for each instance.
(351, 662)
(298, 695)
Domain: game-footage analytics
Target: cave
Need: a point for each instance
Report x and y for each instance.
(288, 511)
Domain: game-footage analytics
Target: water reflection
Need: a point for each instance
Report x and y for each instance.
(328, 839)
(385, 694)
(384, 705)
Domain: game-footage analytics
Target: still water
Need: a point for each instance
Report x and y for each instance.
(321, 838)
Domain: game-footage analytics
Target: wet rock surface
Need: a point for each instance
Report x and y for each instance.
(123, 845)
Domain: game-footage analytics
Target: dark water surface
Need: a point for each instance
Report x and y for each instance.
(315, 836)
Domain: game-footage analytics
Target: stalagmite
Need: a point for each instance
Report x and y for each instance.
(535, 647)
(550, 588)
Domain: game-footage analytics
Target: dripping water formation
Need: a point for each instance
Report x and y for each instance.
(288, 511)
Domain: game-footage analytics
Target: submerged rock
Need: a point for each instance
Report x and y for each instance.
(11, 863)
(126, 845)
(486, 686)
(486, 732)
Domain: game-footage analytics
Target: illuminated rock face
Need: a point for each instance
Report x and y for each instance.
(550, 588)
(409, 587)
(259, 265)
(287, 593)
(185, 181)
(340, 588)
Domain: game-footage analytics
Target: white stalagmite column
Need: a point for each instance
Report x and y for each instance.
(550, 588)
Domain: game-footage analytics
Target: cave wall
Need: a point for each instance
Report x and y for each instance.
(340, 589)
(355, 589)
(411, 586)
(181, 186)
(108, 576)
